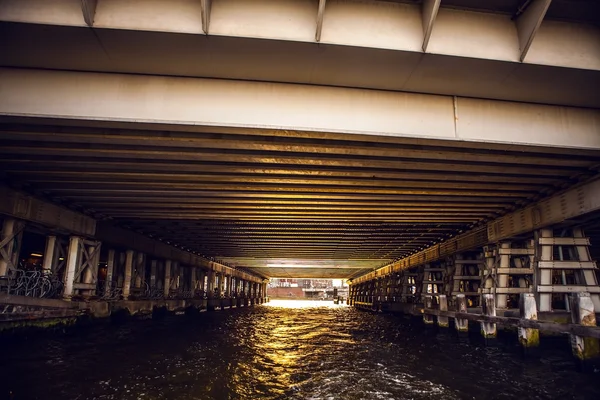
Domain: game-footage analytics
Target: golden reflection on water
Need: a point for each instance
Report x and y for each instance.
(284, 345)
(303, 304)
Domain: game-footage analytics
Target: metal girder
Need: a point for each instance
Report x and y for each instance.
(22, 206)
(429, 11)
(205, 10)
(577, 201)
(528, 24)
(320, 15)
(88, 8)
(571, 203)
(116, 236)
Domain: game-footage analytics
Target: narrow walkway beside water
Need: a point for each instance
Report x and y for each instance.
(284, 350)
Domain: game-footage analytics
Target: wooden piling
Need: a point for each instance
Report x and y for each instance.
(583, 313)
(461, 325)
(488, 330)
(428, 303)
(443, 306)
(528, 337)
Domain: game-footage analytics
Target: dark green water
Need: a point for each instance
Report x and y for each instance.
(269, 352)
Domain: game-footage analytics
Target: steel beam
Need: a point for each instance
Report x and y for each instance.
(569, 204)
(320, 15)
(110, 234)
(429, 11)
(528, 24)
(205, 9)
(23, 206)
(88, 8)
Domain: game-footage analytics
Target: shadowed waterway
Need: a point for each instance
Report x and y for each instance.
(285, 350)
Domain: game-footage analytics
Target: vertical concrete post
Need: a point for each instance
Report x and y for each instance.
(90, 271)
(589, 275)
(583, 313)
(545, 275)
(461, 324)
(8, 229)
(528, 337)
(110, 267)
(201, 277)
(49, 254)
(184, 283)
(443, 302)
(175, 274)
(210, 288)
(128, 272)
(167, 283)
(428, 304)
(503, 278)
(72, 262)
(488, 305)
(140, 269)
(153, 268)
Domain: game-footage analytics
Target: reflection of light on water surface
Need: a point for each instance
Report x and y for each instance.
(303, 304)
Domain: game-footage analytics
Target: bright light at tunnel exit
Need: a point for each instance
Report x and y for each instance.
(304, 304)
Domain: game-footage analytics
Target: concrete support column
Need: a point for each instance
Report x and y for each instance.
(140, 269)
(210, 288)
(501, 299)
(73, 257)
(167, 283)
(461, 325)
(228, 286)
(128, 273)
(222, 279)
(153, 269)
(49, 254)
(589, 275)
(7, 240)
(488, 329)
(583, 313)
(545, 275)
(528, 337)
(428, 304)
(175, 275)
(443, 306)
(201, 277)
(110, 267)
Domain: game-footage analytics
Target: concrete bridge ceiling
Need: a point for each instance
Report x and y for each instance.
(286, 204)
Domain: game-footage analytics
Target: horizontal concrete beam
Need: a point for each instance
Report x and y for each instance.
(374, 24)
(209, 102)
(19, 205)
(23, 206)
(112, 235)
(580, 200)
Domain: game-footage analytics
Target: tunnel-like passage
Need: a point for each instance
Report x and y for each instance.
(439, 157)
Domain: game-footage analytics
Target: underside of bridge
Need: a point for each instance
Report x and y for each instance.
(286, 204)
(270, 137)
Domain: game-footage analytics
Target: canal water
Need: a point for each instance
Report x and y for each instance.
(284, 350)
